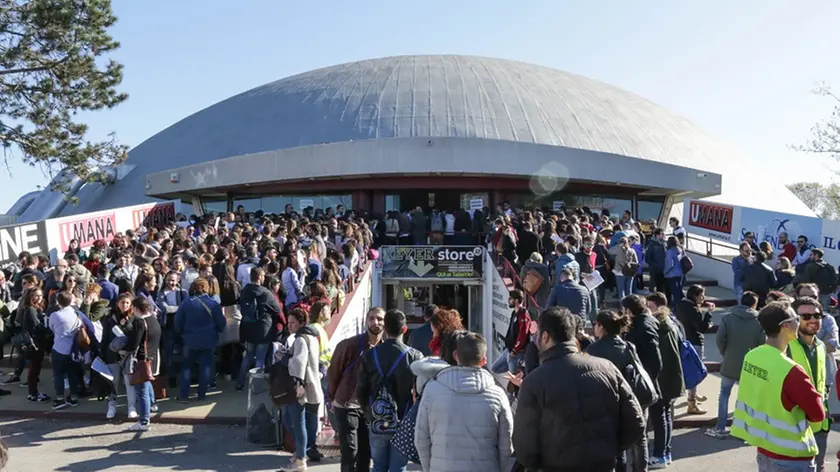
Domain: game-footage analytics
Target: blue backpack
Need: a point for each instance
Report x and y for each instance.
(383, 406)
(694, 370)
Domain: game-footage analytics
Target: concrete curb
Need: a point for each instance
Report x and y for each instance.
(157, 418)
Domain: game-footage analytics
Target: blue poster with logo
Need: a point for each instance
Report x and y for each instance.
(768, 226)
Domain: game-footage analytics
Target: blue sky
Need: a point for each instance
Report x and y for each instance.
(742, 70)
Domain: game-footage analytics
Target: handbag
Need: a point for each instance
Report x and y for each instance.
(403, 439)
(82, 337)
(142, 369)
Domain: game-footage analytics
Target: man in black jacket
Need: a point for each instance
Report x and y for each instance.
(644, 334)
(529, 242)
(655, 258)
(575, 412)
(393, 357)
(259, 308)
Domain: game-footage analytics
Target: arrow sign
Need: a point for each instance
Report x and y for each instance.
(420, 268)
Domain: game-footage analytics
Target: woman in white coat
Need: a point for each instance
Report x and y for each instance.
(301, 418)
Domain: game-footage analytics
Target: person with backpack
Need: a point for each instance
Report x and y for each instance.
(342, 376)
(696, 323)
(258, 307)
(384, 390)
(301, 417)
(822, 274)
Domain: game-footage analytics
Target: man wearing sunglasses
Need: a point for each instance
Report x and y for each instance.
(776, 399)
(810, 353)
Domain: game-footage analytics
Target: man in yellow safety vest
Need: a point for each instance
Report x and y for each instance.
(810, 353)
(776, 399)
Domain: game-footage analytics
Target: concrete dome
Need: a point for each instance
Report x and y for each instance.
(418, 96)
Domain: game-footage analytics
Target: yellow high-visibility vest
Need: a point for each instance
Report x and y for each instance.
(760, 418)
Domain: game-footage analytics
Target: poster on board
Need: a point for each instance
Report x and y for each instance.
(769, 226)
(711, 220)
(86, 229)
(29, 237)
(501, 313)
(306, 203)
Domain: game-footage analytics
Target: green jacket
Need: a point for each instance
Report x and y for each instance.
(670, 380)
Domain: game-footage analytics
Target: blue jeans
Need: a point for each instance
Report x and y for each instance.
(385, 457)
(252, 351)
(624, 285)
(739, 292)
(726, 385)
(64, 367)
(507, 362)
(766, 464)
(145, 397)
(204, 358)
(302, 422)
(674, 290)
(662, 417)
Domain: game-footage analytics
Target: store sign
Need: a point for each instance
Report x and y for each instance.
(86, 230)
(31, 237)
(432, 262)
(156, 216)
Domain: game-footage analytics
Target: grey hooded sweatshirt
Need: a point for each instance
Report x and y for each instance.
(464, 423)
(738, 333)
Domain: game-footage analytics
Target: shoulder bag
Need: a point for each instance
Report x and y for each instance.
(643, 387)
(142, 369)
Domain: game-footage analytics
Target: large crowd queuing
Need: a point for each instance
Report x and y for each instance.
(209, 296)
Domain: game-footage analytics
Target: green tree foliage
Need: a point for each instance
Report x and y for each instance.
(823, 199)
(53, 65)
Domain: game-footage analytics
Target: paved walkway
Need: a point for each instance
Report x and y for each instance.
(223, 405)
(79, 446)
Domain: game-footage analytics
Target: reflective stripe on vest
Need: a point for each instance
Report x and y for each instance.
(765, 418)
(785, 443)
(798, 354)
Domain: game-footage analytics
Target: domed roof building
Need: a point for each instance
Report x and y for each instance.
(404, 131)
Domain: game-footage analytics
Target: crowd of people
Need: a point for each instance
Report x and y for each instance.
(169, 307)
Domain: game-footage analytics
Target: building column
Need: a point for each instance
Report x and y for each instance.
(361, 199)
(378, 202)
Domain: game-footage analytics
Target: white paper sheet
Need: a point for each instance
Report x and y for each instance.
(593, 280)
(100, 366)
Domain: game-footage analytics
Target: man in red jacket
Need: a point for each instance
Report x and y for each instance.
(517, 336)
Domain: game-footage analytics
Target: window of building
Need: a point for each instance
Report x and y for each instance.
(649, 210)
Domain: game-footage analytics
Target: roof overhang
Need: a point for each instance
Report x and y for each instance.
(432, 156)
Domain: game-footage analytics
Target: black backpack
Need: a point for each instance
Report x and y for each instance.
(825, 278)
(383, 405)
(282, 386)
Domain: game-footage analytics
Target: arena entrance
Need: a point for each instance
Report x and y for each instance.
(409, 278)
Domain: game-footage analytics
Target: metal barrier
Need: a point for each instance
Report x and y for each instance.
(711, 248)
